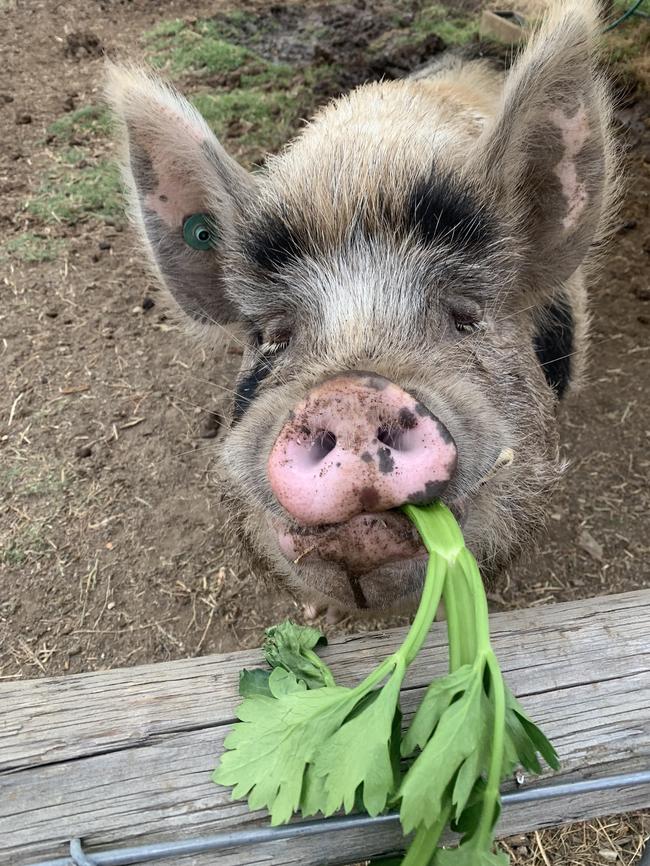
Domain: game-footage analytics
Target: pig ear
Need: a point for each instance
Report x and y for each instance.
(186, 192)
(548, 156)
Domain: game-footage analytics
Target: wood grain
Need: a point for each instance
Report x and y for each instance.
(124, 757)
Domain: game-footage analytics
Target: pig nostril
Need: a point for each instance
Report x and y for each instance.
(391, 436)
(323, 442)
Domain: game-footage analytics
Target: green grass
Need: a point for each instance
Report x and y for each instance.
(78, 187)
(168, 35)
(33, 480)
(200, 48)
(206, 49)
(29, 247)
(157, 34)
(70, 194)
(452, 26)
(27, 543)
(262, 119)
(628, 45)
(84, 121)
(455, 28)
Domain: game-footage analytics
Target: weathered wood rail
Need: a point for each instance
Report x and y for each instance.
(124, 757)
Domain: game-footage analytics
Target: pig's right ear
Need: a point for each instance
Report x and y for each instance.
(186, 192)
(548, 156)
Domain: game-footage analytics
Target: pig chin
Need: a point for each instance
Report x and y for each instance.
(370, 561)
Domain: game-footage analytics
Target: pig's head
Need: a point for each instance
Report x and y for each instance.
(406, 287)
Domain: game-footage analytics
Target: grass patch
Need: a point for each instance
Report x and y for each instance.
(158, 34)
(166, 36)
(257, 119)
(70, 193)
(27, 543)
(79, 186)
(29, 248)
(454, 27)
(82, 122)
(631, 43)
(32, 480)
(192, 52)
(207, 48)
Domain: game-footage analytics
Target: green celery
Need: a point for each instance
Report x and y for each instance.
(304, 744)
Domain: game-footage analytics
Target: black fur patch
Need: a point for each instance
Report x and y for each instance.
(554, 345)
(273, 243)
(440, 208)
(247, 388)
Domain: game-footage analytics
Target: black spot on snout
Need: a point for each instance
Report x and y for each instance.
(440, 207)
(386, 462)
(445, 435)
(366, 457)
(554, 345)
(368, 497)
(432, 491)
(407, 419)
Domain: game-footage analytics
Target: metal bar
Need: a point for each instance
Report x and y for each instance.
(302, 829)
(632, 10)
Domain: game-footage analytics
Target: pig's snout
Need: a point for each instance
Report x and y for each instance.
(359, 443)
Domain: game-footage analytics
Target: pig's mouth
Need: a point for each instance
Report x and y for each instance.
(365, 546)
(372, 560)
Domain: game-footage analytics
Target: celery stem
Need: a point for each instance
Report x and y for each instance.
(431, 595)
(454, 628)
(423, 847)
(318, 663)
(433, 586)
(492, 793)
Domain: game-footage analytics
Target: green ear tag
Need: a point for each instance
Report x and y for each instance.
(199, 231)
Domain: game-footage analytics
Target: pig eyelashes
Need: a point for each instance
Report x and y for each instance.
(274, 339)
(466, 327)
(466, 322)
(273, 348)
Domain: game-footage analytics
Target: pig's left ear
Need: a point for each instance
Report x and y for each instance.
(186, 191)
(548, 156)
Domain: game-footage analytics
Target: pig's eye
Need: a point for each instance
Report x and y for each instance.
(466, 320)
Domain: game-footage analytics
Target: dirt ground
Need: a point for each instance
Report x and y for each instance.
(113, 549)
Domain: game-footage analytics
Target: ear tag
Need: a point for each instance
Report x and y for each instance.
(199, 231)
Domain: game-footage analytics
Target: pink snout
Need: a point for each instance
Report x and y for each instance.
(357, 444)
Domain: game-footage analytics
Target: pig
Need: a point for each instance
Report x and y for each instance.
(409, 279)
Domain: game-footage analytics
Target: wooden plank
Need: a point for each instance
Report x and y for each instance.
(124, 757)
